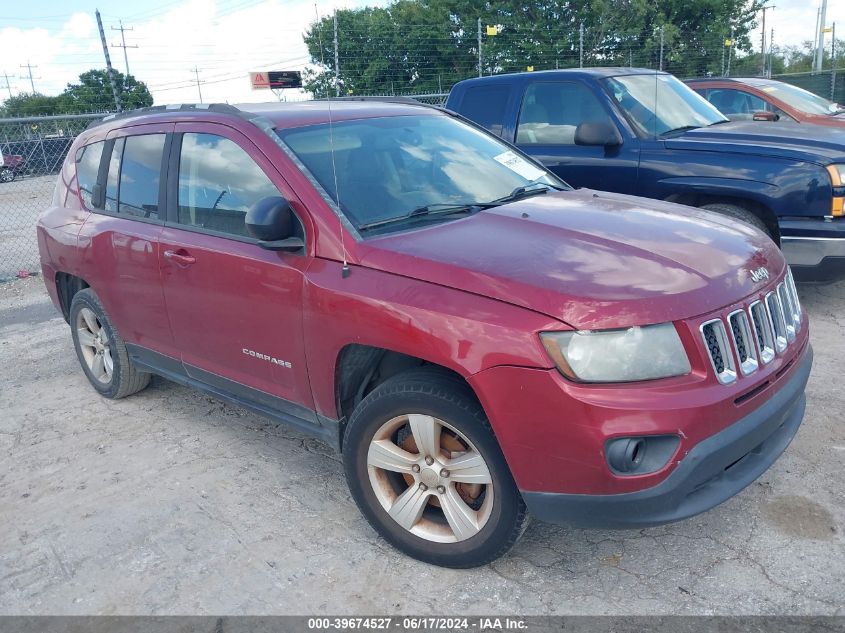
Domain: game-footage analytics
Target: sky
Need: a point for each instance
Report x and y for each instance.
(222, 39)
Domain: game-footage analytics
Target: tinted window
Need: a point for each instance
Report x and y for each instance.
(87, 166)
(551, 112)
(486, 106)
(140, 175)
(114, 173)
(218, 183)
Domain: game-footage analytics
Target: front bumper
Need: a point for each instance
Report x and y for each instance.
(815, 250)
(712, 472)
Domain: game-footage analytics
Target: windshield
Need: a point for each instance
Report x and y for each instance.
(659, 104)
(392, 167)
(800, 99)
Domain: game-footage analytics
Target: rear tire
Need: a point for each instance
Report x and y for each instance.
(738, 213)
(7, 175)
(100, 349)
(426, 471)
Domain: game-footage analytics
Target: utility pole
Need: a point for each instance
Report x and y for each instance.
(336, 60)
(763, 42)
(196, 72)
(833, 62)
(8, 85)
(581, 46)
(479, 47)
(820, 44)
(661, 47)
(108, 62)
(123, 44)
(771, 53)
(816, 38)
(29, 68)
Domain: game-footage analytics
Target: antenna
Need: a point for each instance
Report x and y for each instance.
(344, 271)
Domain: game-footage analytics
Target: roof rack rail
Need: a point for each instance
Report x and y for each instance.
(182, 107)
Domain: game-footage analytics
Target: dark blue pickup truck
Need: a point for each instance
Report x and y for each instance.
(642, 132)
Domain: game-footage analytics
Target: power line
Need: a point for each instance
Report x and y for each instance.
(123, 43)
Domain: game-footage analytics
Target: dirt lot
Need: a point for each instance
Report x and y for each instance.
(170, 502)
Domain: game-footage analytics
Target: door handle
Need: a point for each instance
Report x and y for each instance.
(181, 257)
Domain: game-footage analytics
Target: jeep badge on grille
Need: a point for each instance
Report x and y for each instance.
(759, 274)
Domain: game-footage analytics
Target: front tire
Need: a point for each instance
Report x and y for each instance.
(100, 349)
(426, 471)
(738, 213)
(7, 175)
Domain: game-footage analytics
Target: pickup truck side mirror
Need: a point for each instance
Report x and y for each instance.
(271, 221)
(765, 115)
(601, 133)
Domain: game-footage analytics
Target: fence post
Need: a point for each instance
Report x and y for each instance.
(661, 47)
(336, 58)
(833, 62)
(479, 47)
(581, 45)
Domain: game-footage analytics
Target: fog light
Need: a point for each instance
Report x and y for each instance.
(640, 455)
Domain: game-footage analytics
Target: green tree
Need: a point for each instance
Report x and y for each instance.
(426, 45)
(31, 104)
(93, 93)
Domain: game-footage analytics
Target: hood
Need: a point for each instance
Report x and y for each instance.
(592, 260)
(789, 140)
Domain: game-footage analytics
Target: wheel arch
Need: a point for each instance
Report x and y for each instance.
(67, 285)
(359, 369)
(695, 199)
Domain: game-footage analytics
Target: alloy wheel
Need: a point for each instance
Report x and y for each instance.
(430, 478)
(95, 345)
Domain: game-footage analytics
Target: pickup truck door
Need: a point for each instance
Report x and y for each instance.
(235, 308)
(549, 115)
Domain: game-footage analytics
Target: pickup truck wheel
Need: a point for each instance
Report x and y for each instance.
(7, 175)
(426, 471)
(738, 213)
(100, 349)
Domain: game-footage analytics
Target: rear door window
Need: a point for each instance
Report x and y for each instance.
(140, 176)
(486, 105)
(112, 179)
(552, 111)
(218, 183)
(87, 168)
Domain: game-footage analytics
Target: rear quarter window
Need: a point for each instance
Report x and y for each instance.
(486, 105)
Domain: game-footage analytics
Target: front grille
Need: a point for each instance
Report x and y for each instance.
(716, 339)
(754, 336)
(743, 341)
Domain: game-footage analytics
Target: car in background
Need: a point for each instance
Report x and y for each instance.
(475, 337)
(645, 133)
(758, 99)
(10, 165)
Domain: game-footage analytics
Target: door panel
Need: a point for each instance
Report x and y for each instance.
(121, 245)
(235, 309)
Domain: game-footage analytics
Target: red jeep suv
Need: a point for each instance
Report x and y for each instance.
(477, 338)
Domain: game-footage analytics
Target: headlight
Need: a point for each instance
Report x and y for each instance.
(837, 179)
(637, 353)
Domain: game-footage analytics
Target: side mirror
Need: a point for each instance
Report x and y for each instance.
(271, 221)
(765, 115)
(600, 133)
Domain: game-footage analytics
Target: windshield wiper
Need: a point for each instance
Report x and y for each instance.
(523, 191)
(427, 211)
(683, 128)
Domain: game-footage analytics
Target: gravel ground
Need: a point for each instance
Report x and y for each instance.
(170, 502)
